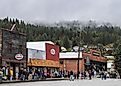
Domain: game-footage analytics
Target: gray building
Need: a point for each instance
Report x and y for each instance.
(12, 50)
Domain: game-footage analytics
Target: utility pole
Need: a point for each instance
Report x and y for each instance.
(78, 62)
(79, 45)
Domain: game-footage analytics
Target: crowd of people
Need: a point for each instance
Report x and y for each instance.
(33, 74)
(90, 74)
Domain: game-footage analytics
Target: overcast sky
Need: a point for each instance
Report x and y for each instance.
(59, 10)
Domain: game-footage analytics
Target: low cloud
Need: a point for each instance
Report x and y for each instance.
(59, 10)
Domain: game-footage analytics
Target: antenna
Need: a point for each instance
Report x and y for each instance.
(13, 27)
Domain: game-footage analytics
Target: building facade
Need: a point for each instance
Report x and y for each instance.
(94, 60)
(69, 62)
(12, 51)
(110, 63)
(87, 61)
(44, 57)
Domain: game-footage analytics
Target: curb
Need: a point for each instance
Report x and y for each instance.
(5, 82)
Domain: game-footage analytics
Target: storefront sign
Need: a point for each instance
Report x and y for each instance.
(87, 61)
(45, 63)
(19, 56)
(95, 58)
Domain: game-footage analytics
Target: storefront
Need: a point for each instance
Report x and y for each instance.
(87, 61)
(16, 65)
(13, 52)
(43, 57)
(94, 60)
(69, 62)
(44, 66)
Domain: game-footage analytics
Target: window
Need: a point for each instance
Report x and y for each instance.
(96, 54)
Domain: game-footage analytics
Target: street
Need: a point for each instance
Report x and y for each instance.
(94, 82)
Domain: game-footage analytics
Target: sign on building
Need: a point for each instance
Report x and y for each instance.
(87, 61)
(19, 56)
(52, 52)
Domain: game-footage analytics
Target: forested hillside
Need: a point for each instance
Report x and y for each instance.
(67, 36)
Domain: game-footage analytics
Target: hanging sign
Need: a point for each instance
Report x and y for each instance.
(19, 56)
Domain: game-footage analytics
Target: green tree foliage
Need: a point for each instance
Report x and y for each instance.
(66, 42)
(117, 54)
(69, 36)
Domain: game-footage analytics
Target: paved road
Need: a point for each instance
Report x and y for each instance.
(94, 82)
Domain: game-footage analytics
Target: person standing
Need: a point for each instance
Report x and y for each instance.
(85, 75)
(90, 75)
(95, 73)
(7, 73)
(105, 75)
(17, 75)
(71, 76)
(11, 74)
(102, 75)
(1, 75)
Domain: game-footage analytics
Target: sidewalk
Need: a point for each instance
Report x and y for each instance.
(48, 79)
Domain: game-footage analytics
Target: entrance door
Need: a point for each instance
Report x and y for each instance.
(16, 69)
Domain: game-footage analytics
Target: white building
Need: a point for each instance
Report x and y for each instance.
(110, 63)
(37, 49)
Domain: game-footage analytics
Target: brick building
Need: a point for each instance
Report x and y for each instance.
(87, 61)
(94, 60)
(69, 61)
